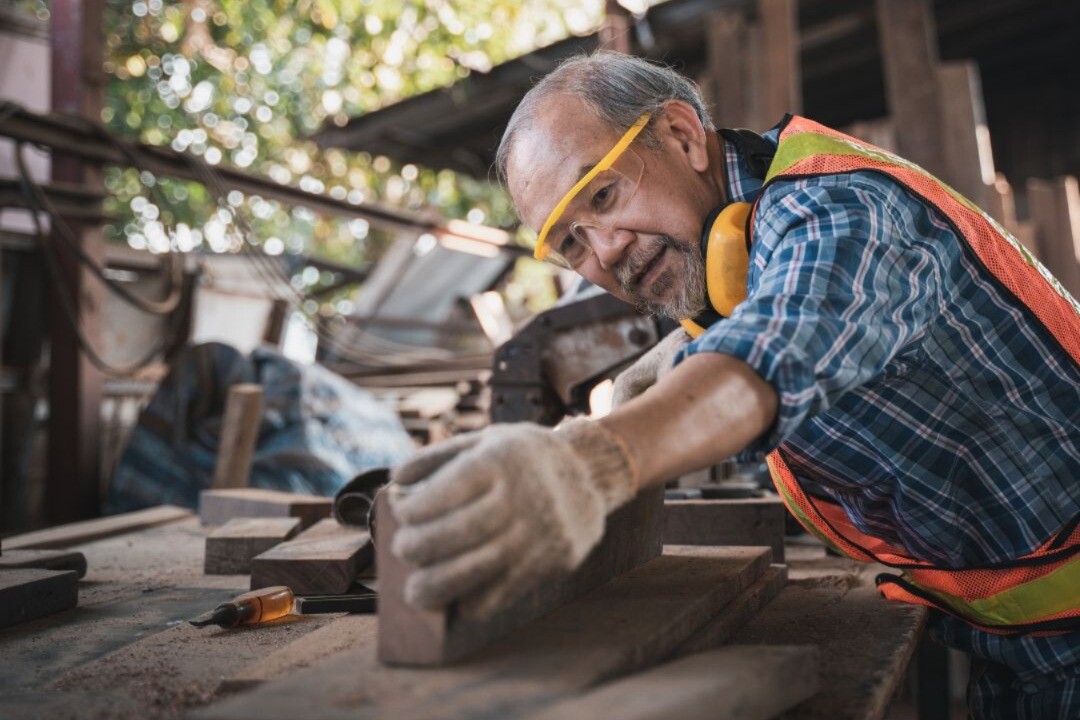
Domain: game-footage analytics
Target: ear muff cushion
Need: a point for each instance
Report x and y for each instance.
(727, 261)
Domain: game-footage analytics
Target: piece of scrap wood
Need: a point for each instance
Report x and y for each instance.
(231, 547)
(740, 682)
(408, 636)
(239, 435)
(323, 560)
(26, 594)
(628, 624)
(44, 560)
(754, 521)
(87, 530)
(217, 507)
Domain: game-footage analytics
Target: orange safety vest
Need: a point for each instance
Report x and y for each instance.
(1039, 592)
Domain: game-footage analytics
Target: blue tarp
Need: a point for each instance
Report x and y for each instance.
(318, 430)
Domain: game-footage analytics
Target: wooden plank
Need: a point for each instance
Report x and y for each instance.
(26, 594)
(1055, 214)
(627, 624)
(217, 507)
(231, 548)
(725, 83)
(865, 644)
(908, 38)
(736, 614)
(239, 434)
(969, 159)
(757, 521)
(735, 683)
(323, 560)
(408, 636)
(44, 560)
(88, 530)
(781, 80)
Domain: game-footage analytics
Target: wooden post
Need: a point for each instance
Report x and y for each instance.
(615, 33)
(275, 322)
(909, 54)
(72, 488)
(780, 76)
(239, 434)
(969, 161)
(1055, 214)
(724, 83)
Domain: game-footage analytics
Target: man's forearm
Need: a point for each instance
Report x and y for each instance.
(704, 411)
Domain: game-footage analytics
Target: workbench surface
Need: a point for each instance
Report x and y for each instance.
(127, 651)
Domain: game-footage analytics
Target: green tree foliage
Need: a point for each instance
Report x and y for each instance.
(245, 82)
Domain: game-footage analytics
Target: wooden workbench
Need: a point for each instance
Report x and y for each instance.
(127, 651)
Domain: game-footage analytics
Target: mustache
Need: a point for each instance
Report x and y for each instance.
(635, 262)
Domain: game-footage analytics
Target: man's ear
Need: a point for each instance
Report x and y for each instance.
(680, 128)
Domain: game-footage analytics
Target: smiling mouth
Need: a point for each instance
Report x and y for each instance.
(644, 276)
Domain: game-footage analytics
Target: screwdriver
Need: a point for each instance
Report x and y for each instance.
(253, 607)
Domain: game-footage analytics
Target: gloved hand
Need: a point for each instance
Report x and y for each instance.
(648, 368)
(488, 515)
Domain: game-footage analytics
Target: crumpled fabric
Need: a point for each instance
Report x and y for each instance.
(318, 430)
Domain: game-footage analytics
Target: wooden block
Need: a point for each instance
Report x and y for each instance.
(44, 560)
(87, 530)
(217, 507)
(626, 625)
(239, 434)
(231, 547)
(26, 594)
(323, 560)
(741, 682)
(726, 522)
(408, 636)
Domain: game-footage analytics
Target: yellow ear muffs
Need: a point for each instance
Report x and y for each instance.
(727, 260)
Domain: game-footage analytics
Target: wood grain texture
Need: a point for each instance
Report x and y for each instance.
(87, 530)
(408, 636)
(231, 547)
(625, 625)
(26, 594)
(865, 644)
(44, 560)
(726, 522)
(217, 507)
(239, 434)
(323, 560)
(735, 683)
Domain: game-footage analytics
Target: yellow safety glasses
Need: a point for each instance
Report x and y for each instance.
(594, 203)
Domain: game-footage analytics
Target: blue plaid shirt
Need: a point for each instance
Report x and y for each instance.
(927, 403)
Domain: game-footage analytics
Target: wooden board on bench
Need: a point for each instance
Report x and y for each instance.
(217, 507)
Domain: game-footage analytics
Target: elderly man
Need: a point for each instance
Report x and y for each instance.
(910, 372)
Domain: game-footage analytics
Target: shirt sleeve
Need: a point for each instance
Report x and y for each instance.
(844, 286)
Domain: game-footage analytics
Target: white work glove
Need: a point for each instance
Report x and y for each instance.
(648, 368)
(489, 515)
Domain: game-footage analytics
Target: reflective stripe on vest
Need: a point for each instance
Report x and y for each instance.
(1037, 592)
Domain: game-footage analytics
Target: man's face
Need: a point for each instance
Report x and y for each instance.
(651, 256)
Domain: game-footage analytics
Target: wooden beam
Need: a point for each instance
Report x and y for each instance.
(89, 530)
(1055, 213)
(239, 435)
(909, 53)
(726, 83)
(72, 486)
(231, 548)
(969, 160)
(408, 636)
(726, 522)
(780, 78)
(740, 682)
(628, 624)
(29, 594)
(217, 507)
(323, 560)
(44, 560)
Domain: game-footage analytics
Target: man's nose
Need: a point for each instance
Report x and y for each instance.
(609, 244)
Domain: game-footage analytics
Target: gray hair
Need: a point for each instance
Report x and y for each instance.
(619, 88)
